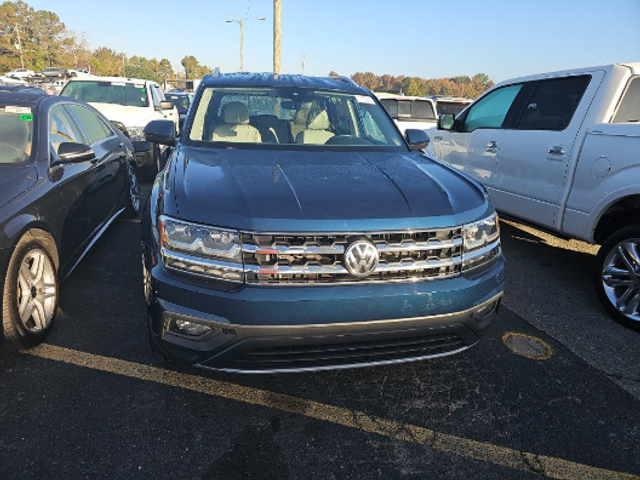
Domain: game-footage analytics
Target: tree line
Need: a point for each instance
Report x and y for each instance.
(42, 39)
(460, 86)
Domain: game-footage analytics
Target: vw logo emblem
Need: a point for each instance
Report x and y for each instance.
(361, 258)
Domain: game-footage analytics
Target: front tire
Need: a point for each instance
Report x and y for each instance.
(30, 295)
(617, 276)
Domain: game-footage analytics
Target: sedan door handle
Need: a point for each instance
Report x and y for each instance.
(492, 146)
(556, 150)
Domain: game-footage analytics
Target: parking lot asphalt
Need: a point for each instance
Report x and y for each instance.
(93, 403)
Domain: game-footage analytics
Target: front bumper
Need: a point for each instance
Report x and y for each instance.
(283, 329)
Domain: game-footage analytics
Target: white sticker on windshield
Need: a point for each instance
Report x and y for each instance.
(14, 109)
(118, 84)
(365, 99)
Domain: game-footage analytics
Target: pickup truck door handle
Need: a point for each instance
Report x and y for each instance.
(556, 153)
(437, 138)
(492, 146)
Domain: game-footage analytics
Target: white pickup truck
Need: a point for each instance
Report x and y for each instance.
(562, 151)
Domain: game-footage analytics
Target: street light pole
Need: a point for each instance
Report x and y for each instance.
(277, 39)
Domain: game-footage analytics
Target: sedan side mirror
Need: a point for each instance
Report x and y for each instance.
(69, 152)
(417, 139)
(446, 121)
(166, 105)
(161, 131)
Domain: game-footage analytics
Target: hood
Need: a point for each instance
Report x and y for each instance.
(321, 191)
(128, 116)
(15, 180)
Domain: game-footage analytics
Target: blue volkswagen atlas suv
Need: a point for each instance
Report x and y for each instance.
(294, 228)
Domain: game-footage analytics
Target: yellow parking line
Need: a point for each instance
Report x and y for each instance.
(549, 466)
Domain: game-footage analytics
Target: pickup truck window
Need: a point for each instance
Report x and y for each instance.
(553, 103)
(491, 110)
(629, 109)
(120, 93)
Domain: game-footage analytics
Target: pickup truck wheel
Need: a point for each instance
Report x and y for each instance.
(617, 276)
(30, 296)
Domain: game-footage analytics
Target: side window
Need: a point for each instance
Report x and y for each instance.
(553, 103)
(490, 111)
(629, 109)
(155, 95)
(62, 129)
(94, 128)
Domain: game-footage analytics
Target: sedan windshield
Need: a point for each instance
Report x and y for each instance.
(15, 134)
(292, 118)
(120, 93)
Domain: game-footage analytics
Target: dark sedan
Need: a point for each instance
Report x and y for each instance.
(65, 174)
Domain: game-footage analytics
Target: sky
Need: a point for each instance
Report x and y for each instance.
(424, 38)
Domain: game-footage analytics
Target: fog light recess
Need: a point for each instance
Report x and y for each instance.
(190, 328)
(485, 310)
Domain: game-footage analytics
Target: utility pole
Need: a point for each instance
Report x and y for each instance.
(240, 21)
(17, 29)
(277, 39)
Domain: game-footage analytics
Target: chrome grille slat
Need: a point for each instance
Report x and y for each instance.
(294, 259)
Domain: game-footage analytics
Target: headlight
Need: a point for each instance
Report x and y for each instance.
(136, 134)
(201, 249)
(481, 242)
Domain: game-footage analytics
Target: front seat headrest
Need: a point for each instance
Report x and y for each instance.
(235, 113)
(320, 121)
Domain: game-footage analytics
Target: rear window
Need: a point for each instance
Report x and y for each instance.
(629, 109)
(553, 103)
(451, 107)
(120, 93)
(409, 110)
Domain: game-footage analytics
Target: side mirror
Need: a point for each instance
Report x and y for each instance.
(161, 131)
(417, 139)
(69, 152)
(446, 121)
(166, 105)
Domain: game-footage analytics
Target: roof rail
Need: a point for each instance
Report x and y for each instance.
(343, 78)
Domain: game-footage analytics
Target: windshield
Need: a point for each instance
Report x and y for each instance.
(15, 134)
(409, 110)
(120, 93)
(292, 117)
(180, 101)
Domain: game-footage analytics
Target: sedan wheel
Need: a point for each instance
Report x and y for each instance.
(36, 292)
(618, 279)
(30, 296)
(133, 197)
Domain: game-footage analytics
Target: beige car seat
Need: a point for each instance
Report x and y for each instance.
(317, 132)
(299, 122)
(236, 126)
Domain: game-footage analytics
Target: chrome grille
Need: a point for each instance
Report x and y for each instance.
(280, 259)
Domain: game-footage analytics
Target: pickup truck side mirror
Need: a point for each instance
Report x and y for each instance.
(166, 105)
(161, 131)
(70, 152)
(417, 139)
(446, 121)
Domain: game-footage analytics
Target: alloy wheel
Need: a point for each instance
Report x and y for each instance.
(621, 278)
(36, 292)
(134, 189)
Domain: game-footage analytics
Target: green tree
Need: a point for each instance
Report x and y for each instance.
(193, 69)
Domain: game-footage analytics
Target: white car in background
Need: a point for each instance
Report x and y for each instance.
(21, 73)
(129, 103)
(409, 112)
(72, 73)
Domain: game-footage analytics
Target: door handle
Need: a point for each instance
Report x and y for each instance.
(556, 153)
(492, 146)
(556, 150)
(437, 138)
(121, 144)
